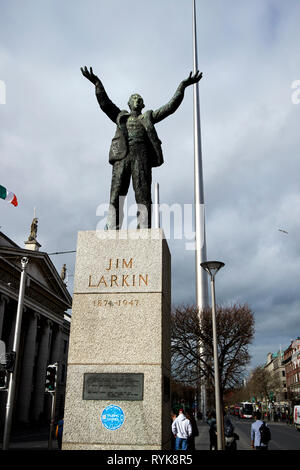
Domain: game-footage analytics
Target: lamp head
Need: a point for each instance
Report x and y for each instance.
(212, 267)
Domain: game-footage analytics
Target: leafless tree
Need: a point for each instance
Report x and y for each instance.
(235, 331)
(263, 383)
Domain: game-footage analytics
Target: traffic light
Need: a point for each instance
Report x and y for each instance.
(51, 373)
(3, 378)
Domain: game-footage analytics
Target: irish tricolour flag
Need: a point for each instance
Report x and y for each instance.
(8, 196)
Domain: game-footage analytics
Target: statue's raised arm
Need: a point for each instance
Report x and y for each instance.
(107, 106)
(175, 102)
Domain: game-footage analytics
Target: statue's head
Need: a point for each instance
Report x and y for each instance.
(136, 102)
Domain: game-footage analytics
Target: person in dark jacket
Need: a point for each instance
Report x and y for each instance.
(195, 432)
(135, 148)
(211, 421)
(229, 434)
(173, 417)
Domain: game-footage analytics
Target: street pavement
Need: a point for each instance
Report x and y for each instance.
(202, 441)
(30, 440)
(284, 437)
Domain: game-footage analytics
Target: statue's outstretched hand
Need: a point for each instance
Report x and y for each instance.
(192, 78)
(89, 75)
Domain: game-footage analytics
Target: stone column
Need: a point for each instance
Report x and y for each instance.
(10, 338)
(56, 345)
(42, 363)
(3, 396)
(3, 301)
(55, 356)
(26, 375)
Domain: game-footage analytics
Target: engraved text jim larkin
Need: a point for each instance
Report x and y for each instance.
(119, 280)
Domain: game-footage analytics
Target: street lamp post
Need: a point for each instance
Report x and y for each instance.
(13, 375)
(212, 267)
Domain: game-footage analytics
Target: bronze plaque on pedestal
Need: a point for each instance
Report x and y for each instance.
(113, 386)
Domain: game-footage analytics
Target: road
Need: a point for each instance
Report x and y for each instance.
(284, 437)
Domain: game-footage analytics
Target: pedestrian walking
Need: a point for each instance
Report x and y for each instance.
(211, 421)
(287, 416)
(260, 433)
(182, 430)
(173, 417)
(195, 432)
(230, 436)
(59, 433)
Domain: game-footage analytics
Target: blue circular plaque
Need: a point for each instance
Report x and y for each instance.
(112, 417)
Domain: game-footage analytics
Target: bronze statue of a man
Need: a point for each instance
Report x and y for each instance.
(135, 148)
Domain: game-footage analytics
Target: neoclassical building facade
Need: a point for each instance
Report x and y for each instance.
(44, 333)
(292, 370)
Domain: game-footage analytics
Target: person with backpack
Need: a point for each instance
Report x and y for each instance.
(230, 436)
(211, 421)
(260, 433)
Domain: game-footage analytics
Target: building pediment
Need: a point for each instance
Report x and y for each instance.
(43, 280)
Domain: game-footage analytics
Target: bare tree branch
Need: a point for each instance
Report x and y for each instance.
(235, 331)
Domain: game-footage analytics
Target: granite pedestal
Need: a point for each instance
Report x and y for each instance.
(119, 352)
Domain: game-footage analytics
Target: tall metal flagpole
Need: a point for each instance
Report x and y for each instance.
(200, 253)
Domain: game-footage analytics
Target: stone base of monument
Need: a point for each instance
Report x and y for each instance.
(118, 378)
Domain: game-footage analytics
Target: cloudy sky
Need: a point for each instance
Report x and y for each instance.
(54, 139)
